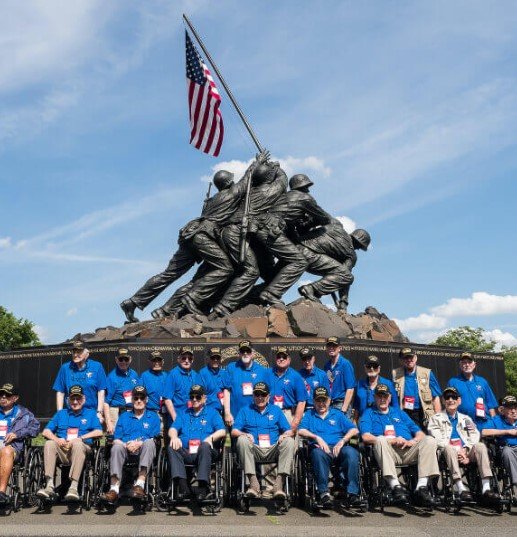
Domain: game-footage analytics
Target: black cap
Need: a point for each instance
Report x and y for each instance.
(321, 392)
(406, 351)
(451, 389)
(123, 353)
(261, 387)
(215, 351)
(75, 390)
(305, 352)
(155, 355)
(78, 346)
(197, 389)
(282, 350)
(186, 349)
(467, 356)
(372, 359)
(139, 390)
(332, 340)
(245, 344)
(382, 389)
(508, 401)
(8, 389)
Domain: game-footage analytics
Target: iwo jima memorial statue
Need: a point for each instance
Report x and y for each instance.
(253, 240)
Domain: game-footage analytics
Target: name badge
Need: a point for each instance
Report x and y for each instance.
(127, 397)
(3, 428)
(263, 440)
(389, 431)
(409, 403)
(193, 446)
(247, 388)
(189, 404)
(480, 408)
(455, 443)
(220, 396)
(72, 433)
(278, 400)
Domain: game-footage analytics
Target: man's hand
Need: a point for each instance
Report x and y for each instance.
(512, 432)
(408, 444)
(9, 438)
(228, 419)
(463, 458)
(109, 427)
(249, 436)
(61, 442)
(209, 441)
(263, 156)
(337, 448)
(322, 444)
(398, 441)
(133, 446)
(176, 444)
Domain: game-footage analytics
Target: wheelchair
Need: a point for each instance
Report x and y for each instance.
(85, 485)
(503, 479)
(24, 479)
(306, 491)
(102, 479)
(166, 491)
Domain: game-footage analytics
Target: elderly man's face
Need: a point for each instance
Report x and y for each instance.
(509, 413)
(321, 404)
(260, 399)
(467, 366)
(76, 402)
(197, 401)
(332, 350)
(382, 400)
(7, 401)
(79, 356)
(308, 362)
(409, 362)
(123, 362)
(185, 360)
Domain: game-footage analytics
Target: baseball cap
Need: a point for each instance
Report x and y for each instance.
(508, 401)
(332, 340)
(321, 392)
(451, 389)
(186, 349)
(406, 352)
(122, 352)
(382, 389)
(245, 345)
(78, 345)
(467, 356)
(8, 389)
(75, 390)
(282, 350)
(197, 389)
(139, 390)
(215, 351)
(155, 355)
(372, 359)
(305, 352)
(261, 387)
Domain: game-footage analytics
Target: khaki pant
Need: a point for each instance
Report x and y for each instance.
(423, 453)
(478, 453)
(74, 457)
(249, 453)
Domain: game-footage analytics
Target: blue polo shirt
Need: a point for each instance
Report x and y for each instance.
(498, 422)
(331, 428)
(214, 382)
(84, 421)
(270, 421)
(314, 379)
(91, 378)
(8, 418)
(454, 422)
(288, 389)
(365, 397)
(154, 383)
(375, 422)
(341, 377)
(119, 385)
(238, 381)
(178, 384)
(411, 387)
(129, 427)
(470, 391)
(191, 426)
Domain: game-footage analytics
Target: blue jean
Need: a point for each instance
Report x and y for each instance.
(347, 463)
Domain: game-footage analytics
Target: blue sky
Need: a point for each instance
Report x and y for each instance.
(402, 113)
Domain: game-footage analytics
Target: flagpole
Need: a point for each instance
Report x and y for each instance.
(225, 85)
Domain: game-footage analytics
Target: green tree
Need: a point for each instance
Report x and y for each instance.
(16, 332)
(510, 368)
(466, 338)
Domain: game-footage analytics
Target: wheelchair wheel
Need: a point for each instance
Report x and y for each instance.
(163, 483)
(33, 477)
(227, 476)
(243, 505)
(100, 477)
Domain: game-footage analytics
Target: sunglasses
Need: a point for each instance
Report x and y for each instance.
(123, 359)
(260, 394)
(75, 398)
(196, 397)
(156, 359)
(455, 397)
(215, 357)
(246, 352)
(187, 358)
(6, 395)
(282, 357)
(138, 397)
(321, 400)
(372, 366)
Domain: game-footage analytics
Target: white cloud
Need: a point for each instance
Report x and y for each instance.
(500, 337)
(347, 223)
(42, 333)
(5, 242)
(424, 321)
(71, 312)
(479, 304)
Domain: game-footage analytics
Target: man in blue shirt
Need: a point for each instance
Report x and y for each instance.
(330, 431)
(397, 439)
(364, 393)
(417, 387)
(192, 437)
(313, 376)
(134, 435)
(16, 424)
(214, 379)
(69, 436)
(153, 380)
(287, 387)
(240, 378)
(504, 429)
(83, 372)
(119, 387)
(341, 376)
(179, 381)
(264, 435)
(477, 398)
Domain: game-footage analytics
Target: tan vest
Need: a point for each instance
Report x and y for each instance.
(423, 377)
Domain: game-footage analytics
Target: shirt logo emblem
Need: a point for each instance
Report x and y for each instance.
(270, 417)
(83, 421)
(286, 381)
(332, 422)
(146, 425)
(133, 381)
(315, 383)
(253, 375)
(396, 419)
(203, 422)
(89, 374)
(479, 387)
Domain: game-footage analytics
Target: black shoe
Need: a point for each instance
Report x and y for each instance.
(129, 307)
(491, 496)
(4, 499)
(424, 496)
(202, 492)
(326, 501)
(354, 500)
(466, 496)
(399, 493)
(183, 492)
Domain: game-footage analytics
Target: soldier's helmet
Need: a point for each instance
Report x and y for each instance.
(362, 237)
(263, 173)
(223, 179)
(298, 181)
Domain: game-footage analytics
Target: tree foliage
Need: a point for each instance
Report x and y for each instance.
(16, 332)
(466, 338)
(510, 368)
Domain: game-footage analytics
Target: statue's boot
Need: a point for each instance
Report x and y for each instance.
(219, 311)
(267, 298)
(129, 307)
(191, 305)
(307, 292)
(159, 313)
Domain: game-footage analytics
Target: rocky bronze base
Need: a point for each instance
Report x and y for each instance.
(302, 318)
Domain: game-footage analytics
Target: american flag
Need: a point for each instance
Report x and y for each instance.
(206, 120)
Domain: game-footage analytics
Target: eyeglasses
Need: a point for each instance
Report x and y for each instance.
(186, 357)
(156, 359)
(215, 357)
(246, 352)
(321, 400)
(75, 399)
(455, 397)
(372, 366)
(260, 394)
(282, 357)
(196, 397)
(138, 397)
(123, 359)
(5, 395)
